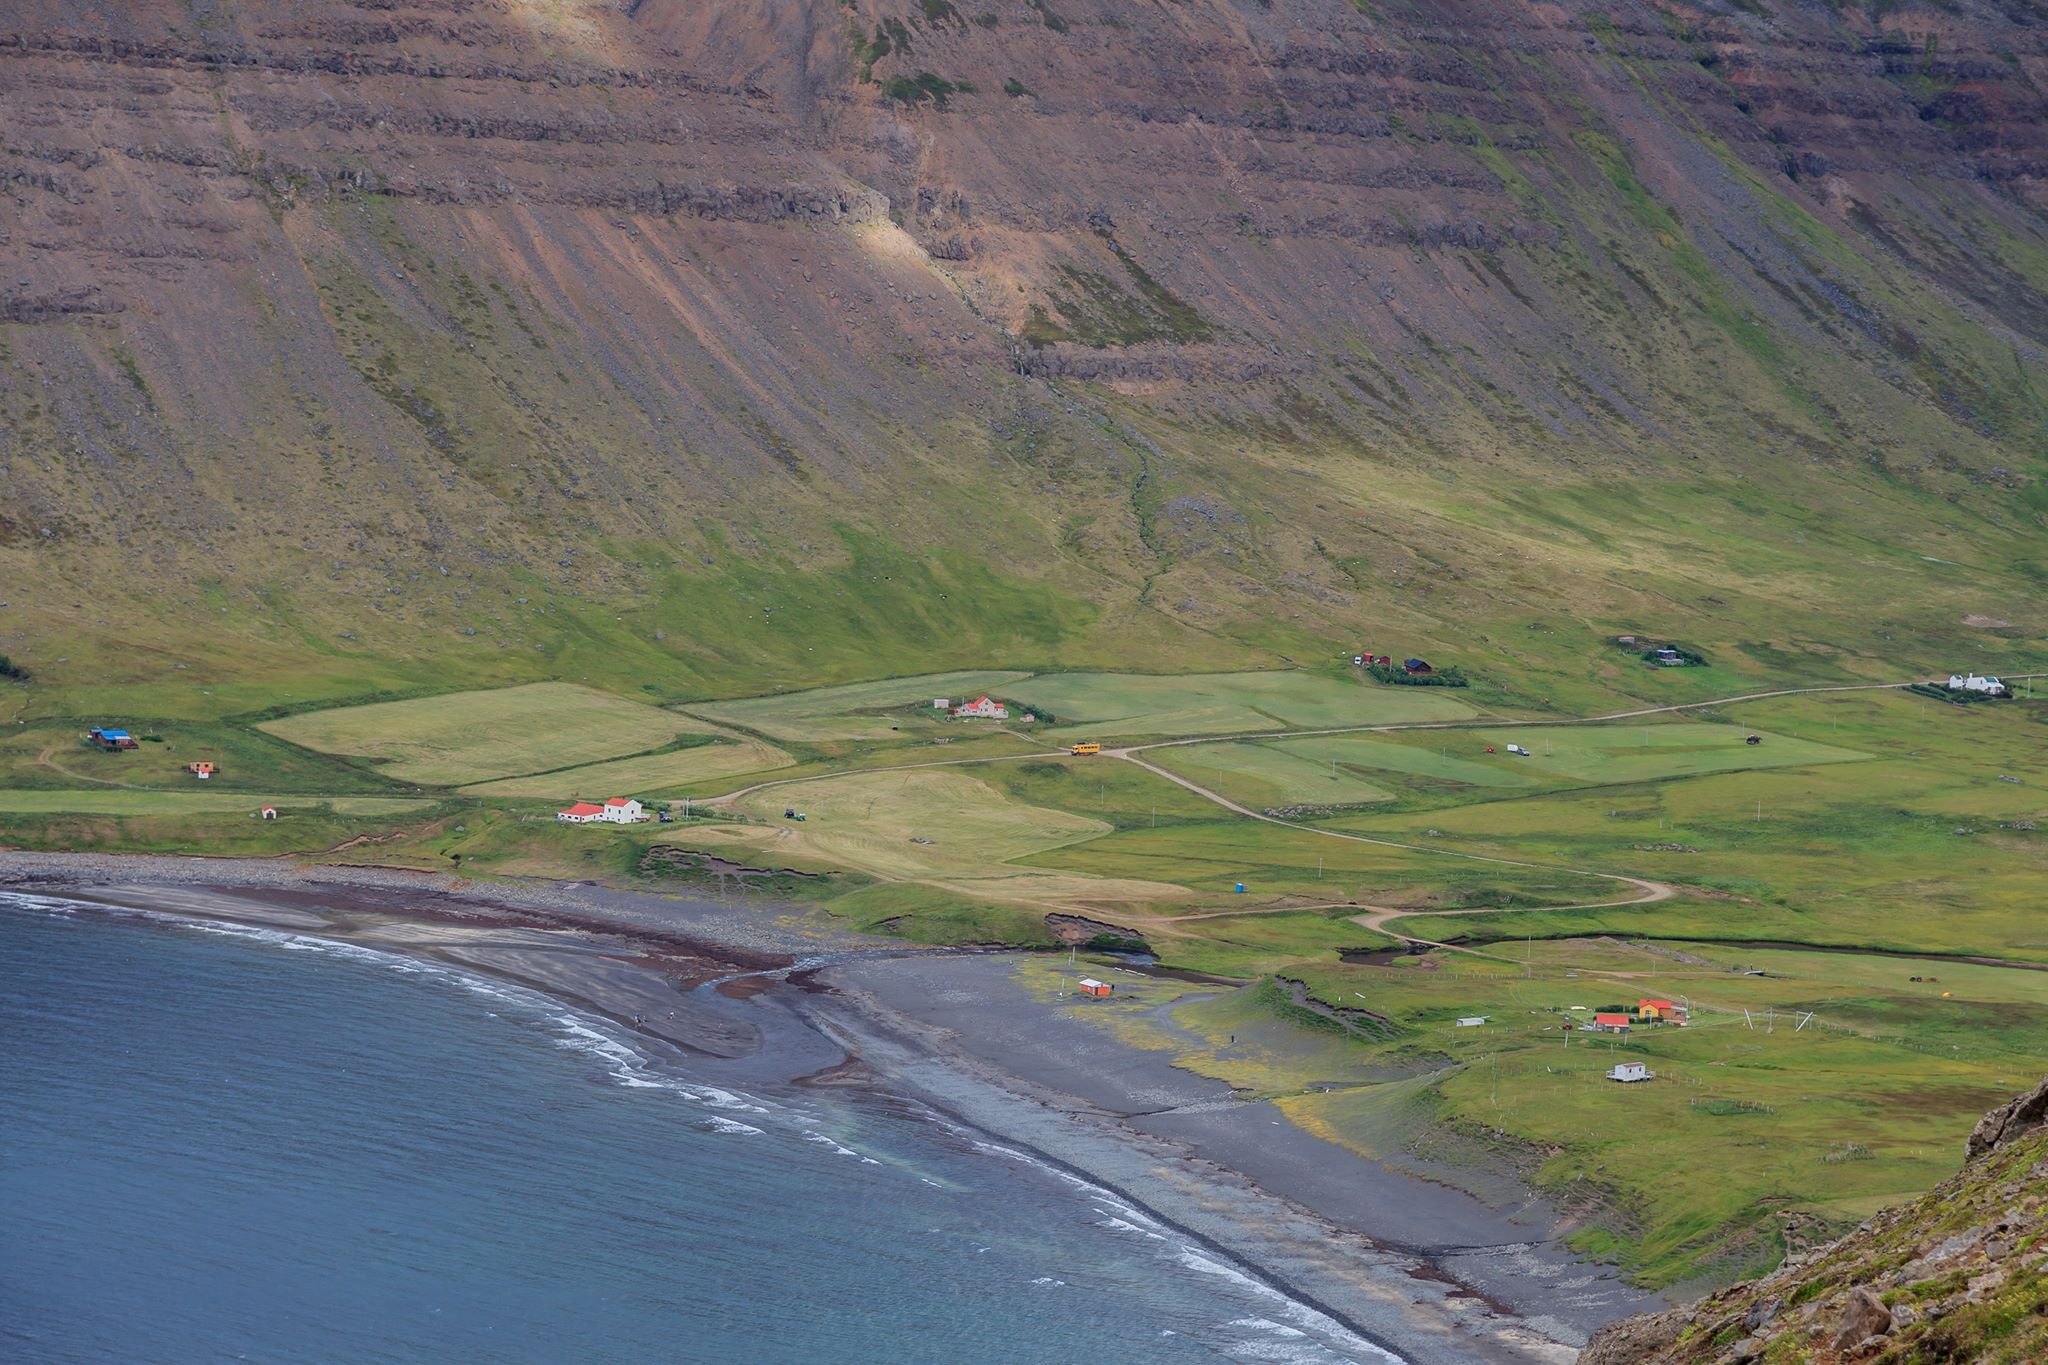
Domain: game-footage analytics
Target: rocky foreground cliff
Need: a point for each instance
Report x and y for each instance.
(1959, 1275)
(810, 338)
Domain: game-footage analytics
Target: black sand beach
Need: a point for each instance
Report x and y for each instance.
(759, 993)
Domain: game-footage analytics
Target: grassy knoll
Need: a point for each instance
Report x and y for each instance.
(855, 711)
(463, 737)
(660, 774)
(1136, 704)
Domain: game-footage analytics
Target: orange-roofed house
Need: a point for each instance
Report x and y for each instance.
(1662, 1010)
(983, 708)
(582, 813)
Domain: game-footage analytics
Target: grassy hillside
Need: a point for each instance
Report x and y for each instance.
(1719, 323)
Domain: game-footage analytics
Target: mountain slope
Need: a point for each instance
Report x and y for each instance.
(1959, 1274)
(372, 344)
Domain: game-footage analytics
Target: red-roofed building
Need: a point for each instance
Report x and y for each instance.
(620, 810)
(983, 708)
(1661, 1009)
(1611, 1023)
(624, 810)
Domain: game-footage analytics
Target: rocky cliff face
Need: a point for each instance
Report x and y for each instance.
(1960, 1275)
(311, 303)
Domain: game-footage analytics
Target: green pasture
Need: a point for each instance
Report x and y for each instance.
(650, 775)
(1683, 1178)
(857, 710)
(1136, 704)
(1619, 751)
(53, 753)
(462, 737)
(871, 822)
(1123, 795)
(115, 801)
(1263, 776)
(1254, 945)
(1439, 755)
(1278, 861)
(1912, 855)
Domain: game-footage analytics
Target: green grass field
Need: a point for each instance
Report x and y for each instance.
(53, 753)
(869, 822)
(855, 711)
(1621, 752)
(1129, 705)
(464, 737)
(113, 801)
(1267, 775)
(647, 775)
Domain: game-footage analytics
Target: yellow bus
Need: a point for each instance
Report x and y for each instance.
(1087, 748)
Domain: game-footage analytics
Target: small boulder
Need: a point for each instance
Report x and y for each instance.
(1864, 1317)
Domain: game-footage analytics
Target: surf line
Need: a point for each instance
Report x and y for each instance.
(1090, 1185)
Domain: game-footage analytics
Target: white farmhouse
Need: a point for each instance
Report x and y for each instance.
(983, 708)
(1970, 682)
(620, 810)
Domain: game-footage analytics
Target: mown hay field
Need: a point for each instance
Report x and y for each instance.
(1262, 775)
(648, 775)
(1136, 704)
(868, 822)
(854, 711)
(464, 737)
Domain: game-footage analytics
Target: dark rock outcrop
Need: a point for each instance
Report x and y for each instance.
(2010, 1122)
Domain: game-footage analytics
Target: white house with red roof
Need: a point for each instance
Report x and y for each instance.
(983, 708)
(620, 810)
(624, 810)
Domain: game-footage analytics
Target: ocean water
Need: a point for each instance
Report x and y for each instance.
(220, 1143)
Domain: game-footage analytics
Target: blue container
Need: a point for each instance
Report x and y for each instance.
(1240, 888)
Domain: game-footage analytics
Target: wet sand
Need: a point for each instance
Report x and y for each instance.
(766, 994)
